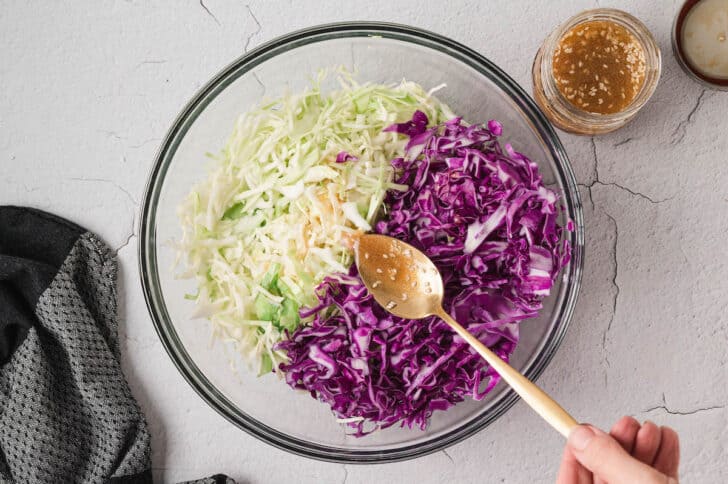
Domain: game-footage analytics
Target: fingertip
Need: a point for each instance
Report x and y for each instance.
(667, 459)
(671, 434)
(625, 432)
(626, 422)
(647, 442)
(670, 438)
(605, 457)
(649, 427)
(580, 437)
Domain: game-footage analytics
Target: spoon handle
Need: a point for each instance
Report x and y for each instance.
(539, 400)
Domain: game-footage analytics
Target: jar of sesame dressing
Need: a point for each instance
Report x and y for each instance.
(596, 71)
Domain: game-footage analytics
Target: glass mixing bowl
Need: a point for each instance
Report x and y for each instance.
(266, 407)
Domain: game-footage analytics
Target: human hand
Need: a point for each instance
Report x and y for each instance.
(630, 453)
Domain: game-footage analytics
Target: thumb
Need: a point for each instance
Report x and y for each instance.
(605, 458)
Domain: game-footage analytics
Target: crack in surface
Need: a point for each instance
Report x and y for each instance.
(151, 61)
(111, 134)
(260, 83)
(667, 409)
(111, 182)
(257, 31)
(27, 189)
(681, 129)
(615, 260)
(134, 202)
(632, 192)
(596, 179)
(624, 142)
(444, 451)
(589, 192)
(202, 4)
(595, 171)
(626, 189)
(145, 142)
(346, 473)
(127, 241)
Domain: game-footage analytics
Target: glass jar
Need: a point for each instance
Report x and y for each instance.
(563, 113)
(679, 51)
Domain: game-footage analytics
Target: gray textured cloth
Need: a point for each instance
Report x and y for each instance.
(67, 412)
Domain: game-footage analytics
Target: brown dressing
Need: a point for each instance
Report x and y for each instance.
(599, 66)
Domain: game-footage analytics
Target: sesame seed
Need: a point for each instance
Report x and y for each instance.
(594, 56)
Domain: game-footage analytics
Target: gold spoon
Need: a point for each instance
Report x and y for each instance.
(407, 284)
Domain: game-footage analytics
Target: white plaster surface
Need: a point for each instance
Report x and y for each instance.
(89, 88)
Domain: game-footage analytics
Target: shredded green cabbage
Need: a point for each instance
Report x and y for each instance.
(277, 213)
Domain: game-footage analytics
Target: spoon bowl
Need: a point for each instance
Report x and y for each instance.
(401, 278)
(406, 283)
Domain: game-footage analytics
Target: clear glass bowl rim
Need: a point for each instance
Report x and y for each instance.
(147, 246)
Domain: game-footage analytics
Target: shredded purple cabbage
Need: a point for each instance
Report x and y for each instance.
(343, 157)
(483, 216)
